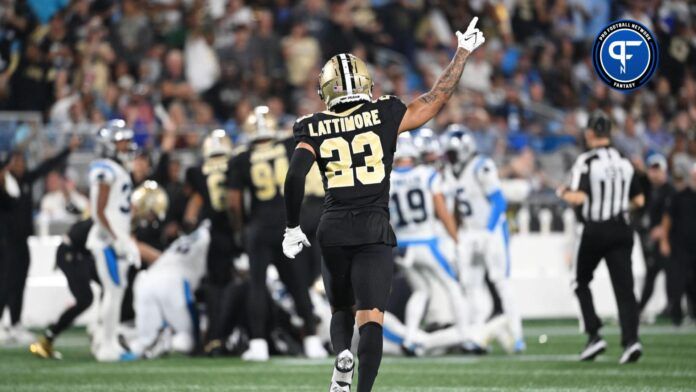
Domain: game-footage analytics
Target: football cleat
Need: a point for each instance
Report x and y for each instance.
(257, 351)
(21, 335)
(5, 337)
(43, 348)
(520, 346)
(631, 354)
(343, 372)
(313, 348)
(338, 388)
(109, 353)
(595, 346)
(128, 357)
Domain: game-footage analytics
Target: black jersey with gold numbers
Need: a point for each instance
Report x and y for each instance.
(355, 151)
(260, 172)
(208, 180)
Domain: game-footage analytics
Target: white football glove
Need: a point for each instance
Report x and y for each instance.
(121, 246)
(472, 37)
(126, 249)
(293, 241)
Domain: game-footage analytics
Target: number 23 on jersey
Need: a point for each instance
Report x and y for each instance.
(341, 173)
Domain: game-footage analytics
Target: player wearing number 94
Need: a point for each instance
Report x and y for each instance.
(353, 143)
(259, 172)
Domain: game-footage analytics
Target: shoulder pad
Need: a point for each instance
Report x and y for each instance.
(240, 149)
(388, 97)
(305, 117)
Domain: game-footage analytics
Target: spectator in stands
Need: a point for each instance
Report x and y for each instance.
(62, 203)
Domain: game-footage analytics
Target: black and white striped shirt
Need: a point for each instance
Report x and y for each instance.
(607, 178)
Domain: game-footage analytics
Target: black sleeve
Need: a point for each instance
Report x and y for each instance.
(635, 188)
(160, 174)
(46, 166)
(300, 132)
(395, 110)
(300, 164)
(193, 179)
(235, 172)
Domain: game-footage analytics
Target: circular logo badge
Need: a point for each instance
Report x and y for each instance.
(625, 55)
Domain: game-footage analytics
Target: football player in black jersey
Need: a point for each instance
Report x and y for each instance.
(353, 142)
(259, 171)
(209, 201)
(77, 263)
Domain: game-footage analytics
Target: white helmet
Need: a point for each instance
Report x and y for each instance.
(109, 135)
(405, 148)
(426, 141)
(458, 139)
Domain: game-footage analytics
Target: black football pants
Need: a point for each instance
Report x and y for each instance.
(264, 246)
(359, 275)
(79, 270)
(613, 242)
(17, 269)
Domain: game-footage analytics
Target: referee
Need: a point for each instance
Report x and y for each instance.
(603, 187)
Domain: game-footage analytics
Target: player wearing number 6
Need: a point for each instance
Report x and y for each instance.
(484, 234)
(353, 143)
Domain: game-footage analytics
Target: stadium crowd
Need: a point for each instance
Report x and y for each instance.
(175, 69)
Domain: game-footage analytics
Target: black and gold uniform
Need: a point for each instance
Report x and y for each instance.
(76, 262)
(354, 147)
(208, 180)
(259, 173)
(312, 208)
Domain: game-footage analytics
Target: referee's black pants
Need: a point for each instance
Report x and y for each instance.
(613, 242)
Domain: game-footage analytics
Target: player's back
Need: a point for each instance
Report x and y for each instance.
(354, 148)
(118, 207)
(208, 180)
(187, 255)
(474, 184)
(411, 204)
(260, 171)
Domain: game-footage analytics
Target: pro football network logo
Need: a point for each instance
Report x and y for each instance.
(625, 55)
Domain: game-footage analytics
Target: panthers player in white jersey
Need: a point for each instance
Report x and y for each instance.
(484, 234)
(163, 295)
(417, 209)
(109, 239)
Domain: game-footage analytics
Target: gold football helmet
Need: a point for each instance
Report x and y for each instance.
(260, 125)
(344, 78)
(217, 143)
(149, 199)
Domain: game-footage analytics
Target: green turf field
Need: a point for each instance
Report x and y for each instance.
(669, 364)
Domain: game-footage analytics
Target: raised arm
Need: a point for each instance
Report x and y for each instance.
(429, 104)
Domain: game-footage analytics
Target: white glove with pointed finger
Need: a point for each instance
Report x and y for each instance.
(472, 38)
(293, 241)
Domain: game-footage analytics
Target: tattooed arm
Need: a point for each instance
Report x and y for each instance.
(429, 104)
